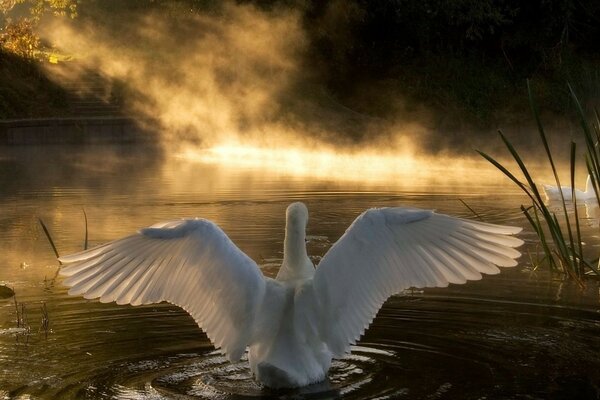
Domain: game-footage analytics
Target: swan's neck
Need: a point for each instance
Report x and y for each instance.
(296, 264)
(588, 185)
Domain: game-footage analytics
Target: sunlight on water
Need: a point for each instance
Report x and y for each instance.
(506, 336)
(361, 165)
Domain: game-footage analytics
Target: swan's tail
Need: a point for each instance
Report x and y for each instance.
(273, 376)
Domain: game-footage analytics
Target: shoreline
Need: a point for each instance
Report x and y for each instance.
(77, 130)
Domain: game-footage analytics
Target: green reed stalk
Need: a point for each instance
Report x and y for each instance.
(470, 209)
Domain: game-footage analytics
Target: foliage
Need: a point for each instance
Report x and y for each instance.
(38, 8)
(523, 35)
(412, 45)
(19, 21)
(19, 38)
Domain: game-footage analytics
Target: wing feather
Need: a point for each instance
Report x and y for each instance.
(388, 250)
(190, 263)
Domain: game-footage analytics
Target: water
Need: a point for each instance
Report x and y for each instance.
(522, 334)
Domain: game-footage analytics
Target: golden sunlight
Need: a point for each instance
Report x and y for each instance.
(365, 166)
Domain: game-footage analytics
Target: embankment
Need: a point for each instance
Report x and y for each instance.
(76, 130)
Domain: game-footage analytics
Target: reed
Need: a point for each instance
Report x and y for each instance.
(49, 237)
(562, 245)
(85, 241)
(45, 325)
(591, 134)
(21, 316)
(471, 209)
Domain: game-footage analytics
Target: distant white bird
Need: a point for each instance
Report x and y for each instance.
(295, 324)
(553, 193)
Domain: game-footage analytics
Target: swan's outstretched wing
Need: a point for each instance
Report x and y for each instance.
(388, 250)
(191, 263)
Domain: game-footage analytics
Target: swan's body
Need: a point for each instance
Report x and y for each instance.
(295, 324)
(554, 192)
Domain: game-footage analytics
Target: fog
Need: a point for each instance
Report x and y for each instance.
(240, 76)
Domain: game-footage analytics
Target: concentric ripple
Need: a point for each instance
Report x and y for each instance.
(444, 344)
(212, 376)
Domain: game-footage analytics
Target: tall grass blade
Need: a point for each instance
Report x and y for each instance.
(593, 178)
(562, 246)
(543, 135)
(554, 172)
(47, 232)
(507, 173)
(585, 126)
(470, 209)
(536, 194)
(579, 246)
(85, 242)
(537, 227)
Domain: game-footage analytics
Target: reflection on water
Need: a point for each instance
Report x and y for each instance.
(366, 166)
(517, 335)
(592, 213)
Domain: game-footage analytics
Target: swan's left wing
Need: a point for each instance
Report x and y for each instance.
(388, 250)
(190, 263)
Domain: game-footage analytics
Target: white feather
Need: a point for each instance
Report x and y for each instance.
(389, 250)
(295, 324)
(190, 263)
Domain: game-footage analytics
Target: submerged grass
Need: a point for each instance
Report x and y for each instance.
(562, 246)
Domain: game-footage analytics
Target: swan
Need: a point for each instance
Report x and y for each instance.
(295, 324)
(553, 193)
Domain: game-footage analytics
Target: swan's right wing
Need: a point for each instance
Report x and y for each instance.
(389, 250)
(190, 263)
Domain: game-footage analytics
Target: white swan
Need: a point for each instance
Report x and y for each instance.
(295, 324)
(553, 192)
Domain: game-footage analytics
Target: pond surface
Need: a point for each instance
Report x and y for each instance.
(522, 334)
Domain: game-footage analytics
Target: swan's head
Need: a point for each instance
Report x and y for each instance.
(296, 217)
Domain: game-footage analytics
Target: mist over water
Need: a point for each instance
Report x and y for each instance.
(248, 125)
(245, 81)
(235, 75)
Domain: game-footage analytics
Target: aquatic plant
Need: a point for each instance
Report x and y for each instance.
(85, 240)
(21, 317)
(51, 241)
(49, 237)
(475, 213)
(561, 245)
(592, 139)
(45, 325)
